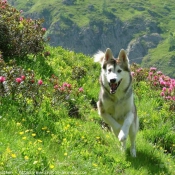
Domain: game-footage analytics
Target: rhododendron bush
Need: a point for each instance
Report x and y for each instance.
(19, 36)
(157, 80)
(22, 87)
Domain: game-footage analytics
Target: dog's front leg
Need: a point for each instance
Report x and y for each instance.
(108, 118)
(125, 128)
(111, 122)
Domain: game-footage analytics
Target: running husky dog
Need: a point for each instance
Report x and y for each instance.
(116, 103)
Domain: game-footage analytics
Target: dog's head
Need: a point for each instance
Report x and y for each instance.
(114, 70)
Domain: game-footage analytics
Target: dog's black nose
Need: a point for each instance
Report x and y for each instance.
(112, 80)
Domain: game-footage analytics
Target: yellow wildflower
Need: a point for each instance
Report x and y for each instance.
(44, 128)
(18, 124)
(24, 138)
(94, 164)
(40, 141)
(65, 154)
(39, 149)
(21, 133)
(51, 166)
(33, 134)
(68, 126)
(26, 157)
(13, 155)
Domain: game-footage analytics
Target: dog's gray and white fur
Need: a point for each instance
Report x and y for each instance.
(116, 102)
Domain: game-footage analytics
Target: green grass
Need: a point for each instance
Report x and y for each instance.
(47, 139)
(162, 58)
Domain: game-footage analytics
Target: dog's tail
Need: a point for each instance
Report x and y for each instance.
(98, 57)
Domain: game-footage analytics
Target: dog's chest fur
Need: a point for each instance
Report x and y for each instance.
(117, 108)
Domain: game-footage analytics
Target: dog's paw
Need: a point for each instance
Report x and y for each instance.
(122, 136)
(133, 152)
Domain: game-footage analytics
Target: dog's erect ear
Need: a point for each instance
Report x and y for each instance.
(108, 54)
(122, 56)
(123, 59)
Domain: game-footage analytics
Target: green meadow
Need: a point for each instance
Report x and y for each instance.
(48, 117)
(54, 128)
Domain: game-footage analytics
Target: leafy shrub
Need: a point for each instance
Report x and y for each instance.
(157, 81)
(20, 86)
(138, 73)
(158, 126)
(78, 72)
(68, 95)
(19, 36)
(29, 93)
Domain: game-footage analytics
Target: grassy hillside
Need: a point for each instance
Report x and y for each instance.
(52, 126)
(83, 12)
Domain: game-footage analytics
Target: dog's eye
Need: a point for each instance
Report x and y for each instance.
(109, 70)
(119, 70)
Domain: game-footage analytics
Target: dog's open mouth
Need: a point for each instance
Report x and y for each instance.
(114, 86)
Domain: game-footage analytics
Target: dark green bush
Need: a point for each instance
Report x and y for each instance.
(19, 36)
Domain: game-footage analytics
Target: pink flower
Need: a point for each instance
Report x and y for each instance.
(162, 83)
(23, 77)
(155, 83)
(159, 73)
(69, 86)
(62, 89)
(65, 84)
(43, 29)
(2, 79)
(153, 69)
(21, 11)
(164, 89)
(155, 77)
(171, 86)
(56, 86)
(170, 90)
(40, 82)
(162, 94)
(132, 74)
(18, 80)
(21, 18)
(80, 89)
(168, 98)
(139, 70)
(150, 73)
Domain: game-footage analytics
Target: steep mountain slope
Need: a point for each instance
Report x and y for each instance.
(143, 28)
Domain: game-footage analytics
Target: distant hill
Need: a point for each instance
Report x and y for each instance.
(144, 28)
